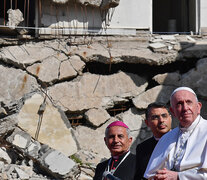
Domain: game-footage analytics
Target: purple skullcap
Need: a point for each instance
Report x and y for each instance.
(118, 123)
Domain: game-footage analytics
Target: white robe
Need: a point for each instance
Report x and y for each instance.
(193, 166)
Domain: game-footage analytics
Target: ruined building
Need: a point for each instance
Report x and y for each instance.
(69, 68)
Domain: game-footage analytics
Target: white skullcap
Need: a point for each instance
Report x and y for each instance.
(181, 89)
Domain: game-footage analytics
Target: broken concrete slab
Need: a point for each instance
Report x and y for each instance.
(16, 85)
(168, 78)
(158, 47)
(66, 70)
(123, 52)
(4, 157)
(21, 140)
(97, 116)
(107, 4)
(33, 148)
(51, 160)
(91, 90)
(191, 39)
(55, 128)
(7, 124)
(168, 37)
(3, 112)
(26, 54)
(60, 1)
(77, 63)
(24, 142)
(15, 17)
(153, 95)
(58, 163)
(94, 3)
(21, 174)
(47, 71)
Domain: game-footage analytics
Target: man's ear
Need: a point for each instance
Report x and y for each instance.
(130, 140)
(105, 141)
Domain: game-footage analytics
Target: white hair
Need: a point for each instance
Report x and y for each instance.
(127, 130)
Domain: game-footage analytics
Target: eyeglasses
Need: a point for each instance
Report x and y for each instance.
(157, 117)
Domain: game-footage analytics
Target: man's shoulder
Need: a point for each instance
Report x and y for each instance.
(104, 161)
(171, 133)
(131, 155)
(100, 168)
(204, 121)
(147, 142)
(202, 127)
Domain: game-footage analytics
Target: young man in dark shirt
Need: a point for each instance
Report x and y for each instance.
(158, 119)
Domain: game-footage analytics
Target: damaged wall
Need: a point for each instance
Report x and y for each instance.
(95, 17)
(58, 96)
(102, 4)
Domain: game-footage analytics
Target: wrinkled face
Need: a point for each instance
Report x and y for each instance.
(117, 140)
(185, 107)
(159, 121)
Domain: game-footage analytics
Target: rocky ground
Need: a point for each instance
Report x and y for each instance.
(57, 95)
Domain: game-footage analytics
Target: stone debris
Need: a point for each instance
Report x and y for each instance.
(54, 162)
(97, 116)
(168, 37)
(191, 39)
(60, 138)
(4, 157)
(15, 17)
(167, 78)
(3, 112)
(60, 1)
(153, 94)
(158, 47)
(107, 4)
(56, 104)
(58, 163)
(21, 174)
(91, 90)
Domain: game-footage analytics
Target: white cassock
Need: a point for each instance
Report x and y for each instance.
(189, 159)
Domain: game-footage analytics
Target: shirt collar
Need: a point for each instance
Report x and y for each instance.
(157, 139)
(192, 126)
(119, 156)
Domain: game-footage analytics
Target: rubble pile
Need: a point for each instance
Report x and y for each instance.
(58, 96)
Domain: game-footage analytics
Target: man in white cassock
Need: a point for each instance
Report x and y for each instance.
(181, 153)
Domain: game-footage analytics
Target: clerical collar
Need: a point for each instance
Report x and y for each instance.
(192, 126)
(119, 156)
(157, 139)
(119, 161)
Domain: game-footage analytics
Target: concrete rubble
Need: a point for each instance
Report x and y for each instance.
(103, 4)
(15, 17)
(58, 96)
